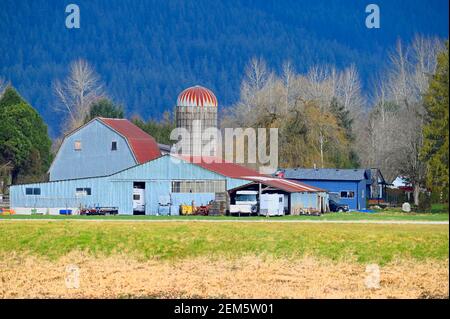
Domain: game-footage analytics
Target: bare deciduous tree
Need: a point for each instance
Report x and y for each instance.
(348, 90)
(289, 101)
(288, 78)
(319, 85)
(256, 74)
(394, 125)
(3, 85)
(77, 93)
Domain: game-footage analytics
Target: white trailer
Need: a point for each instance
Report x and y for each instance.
(139, 200)
(272, 205)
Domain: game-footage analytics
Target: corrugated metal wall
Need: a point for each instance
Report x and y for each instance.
(358, 202)
(308, 202)
(62, 194)
(233, 183)
(301, 201)
(116, 190)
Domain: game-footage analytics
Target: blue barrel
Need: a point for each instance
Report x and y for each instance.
(65, 212)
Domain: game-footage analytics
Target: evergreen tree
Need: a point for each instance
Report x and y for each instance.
(160, 130)
(105, 108)
(343, 117)
(10, 97)
(24, 141)
(345, 121)
(435, 148)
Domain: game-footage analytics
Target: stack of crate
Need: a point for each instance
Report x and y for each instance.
(220, 204)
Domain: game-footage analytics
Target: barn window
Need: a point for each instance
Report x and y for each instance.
(205, 186)
(189, 187)
(32, 191)
(83, 191)
(209, 187)
(77, 146)
(199, 187)
(176, 187)
(114, 146)
(219, 186)
(347, 194)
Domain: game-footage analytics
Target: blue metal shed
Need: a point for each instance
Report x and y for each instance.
(350, 186)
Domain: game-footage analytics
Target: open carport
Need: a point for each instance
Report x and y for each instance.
(298, 198)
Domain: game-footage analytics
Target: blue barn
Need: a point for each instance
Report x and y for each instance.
(101, 147)
(354, 187)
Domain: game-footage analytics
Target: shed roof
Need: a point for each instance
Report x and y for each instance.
(143, 145)
(326, 174)
(221, 166)
(284, 184)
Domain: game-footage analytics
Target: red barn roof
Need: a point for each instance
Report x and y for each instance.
(220, 166)
(143, 145)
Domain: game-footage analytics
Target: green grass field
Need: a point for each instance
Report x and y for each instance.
(357, 242)
(381, 215)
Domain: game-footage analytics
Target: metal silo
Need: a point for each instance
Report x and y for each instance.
(196, 111)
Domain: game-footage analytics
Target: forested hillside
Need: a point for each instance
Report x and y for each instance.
(146, 52)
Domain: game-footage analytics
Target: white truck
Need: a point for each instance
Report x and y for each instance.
(245, 202)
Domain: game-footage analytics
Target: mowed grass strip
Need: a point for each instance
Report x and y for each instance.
(390, 215)
(339, 242)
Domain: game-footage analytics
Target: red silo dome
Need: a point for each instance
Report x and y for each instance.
(197, 96)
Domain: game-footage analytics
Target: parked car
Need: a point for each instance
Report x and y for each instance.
(338, 207)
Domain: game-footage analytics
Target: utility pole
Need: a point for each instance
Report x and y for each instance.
(259, 197)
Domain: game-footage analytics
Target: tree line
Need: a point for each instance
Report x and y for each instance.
(161, 47)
